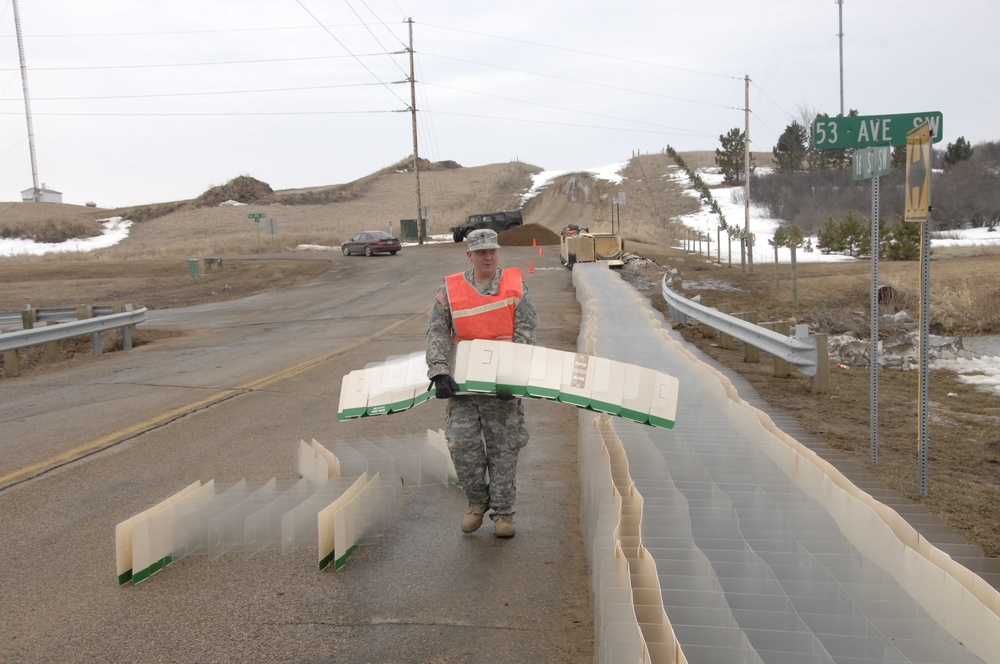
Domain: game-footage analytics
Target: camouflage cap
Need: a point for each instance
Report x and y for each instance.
(483, 238)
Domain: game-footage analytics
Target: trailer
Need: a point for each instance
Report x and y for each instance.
(579, 245)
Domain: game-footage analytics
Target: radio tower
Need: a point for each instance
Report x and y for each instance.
(37, 192)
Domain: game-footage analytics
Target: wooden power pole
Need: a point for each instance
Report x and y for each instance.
(416, 154)
(746, 177)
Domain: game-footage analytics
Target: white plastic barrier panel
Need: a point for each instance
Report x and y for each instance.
(626, 390)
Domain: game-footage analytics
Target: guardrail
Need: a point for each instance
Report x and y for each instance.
(59, 315)
(103, 320)
(808, 353)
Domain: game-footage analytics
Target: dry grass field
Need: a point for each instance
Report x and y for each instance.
(149, 269)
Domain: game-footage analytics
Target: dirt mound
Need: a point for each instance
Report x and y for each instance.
(243, 189)
(527, 235)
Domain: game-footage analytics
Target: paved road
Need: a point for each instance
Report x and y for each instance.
(87, 447)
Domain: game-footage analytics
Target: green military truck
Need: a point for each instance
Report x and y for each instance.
(497, 221)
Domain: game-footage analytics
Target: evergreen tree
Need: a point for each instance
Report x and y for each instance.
(790, 150)
(731, 157)
(857, 236)
(902, 242)
(958, 151)
(830, 239)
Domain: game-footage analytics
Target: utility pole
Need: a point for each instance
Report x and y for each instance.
(746, 176)
(840, 35)
(37, 192)
(416, 155)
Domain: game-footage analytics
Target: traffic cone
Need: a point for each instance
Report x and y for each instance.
(541, 251)
(533, 242)
(531, 267)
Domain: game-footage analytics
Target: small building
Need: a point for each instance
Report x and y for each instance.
(44, 195)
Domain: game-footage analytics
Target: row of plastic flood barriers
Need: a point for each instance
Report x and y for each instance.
(347, 494)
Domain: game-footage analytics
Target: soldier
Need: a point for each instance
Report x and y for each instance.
(485, 432)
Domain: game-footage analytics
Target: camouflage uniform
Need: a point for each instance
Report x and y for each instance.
(483, 433)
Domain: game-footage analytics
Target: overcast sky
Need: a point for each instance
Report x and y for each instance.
(142, 101)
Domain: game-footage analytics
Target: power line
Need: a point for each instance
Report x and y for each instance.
(206, 64)
(576, 80)
(676, 130)
(592, 53)
(558, 108)
(206, 94)
(357, 59)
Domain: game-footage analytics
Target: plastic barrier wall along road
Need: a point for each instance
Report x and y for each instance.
(725, 540)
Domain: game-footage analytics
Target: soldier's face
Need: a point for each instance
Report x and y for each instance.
(484, 261)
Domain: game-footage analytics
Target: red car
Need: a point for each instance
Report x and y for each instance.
(370, 243)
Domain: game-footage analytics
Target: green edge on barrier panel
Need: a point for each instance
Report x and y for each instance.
(142, 575)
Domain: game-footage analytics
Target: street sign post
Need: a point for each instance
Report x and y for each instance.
(918, 209)
(871, 137)
(257, 216)
(861, 131)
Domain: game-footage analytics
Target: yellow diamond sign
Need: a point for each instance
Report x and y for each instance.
(918, 174)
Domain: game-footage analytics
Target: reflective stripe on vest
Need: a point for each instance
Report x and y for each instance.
(478, 316)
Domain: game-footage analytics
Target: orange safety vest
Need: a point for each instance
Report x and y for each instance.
(478, 316)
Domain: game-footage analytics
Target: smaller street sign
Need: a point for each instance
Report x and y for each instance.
(918, 174)
(256, 215)
(871, 162)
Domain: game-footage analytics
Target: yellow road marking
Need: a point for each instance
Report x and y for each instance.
(253, 385)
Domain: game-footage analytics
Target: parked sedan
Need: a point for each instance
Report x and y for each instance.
(370, 243)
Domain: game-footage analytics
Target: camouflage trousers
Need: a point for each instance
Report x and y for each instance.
(484, 436)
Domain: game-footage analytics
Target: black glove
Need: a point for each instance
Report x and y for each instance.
(445, 386)
(505, 395)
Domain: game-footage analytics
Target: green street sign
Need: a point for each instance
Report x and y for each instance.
(870, 163)
(257, 215)
(862, 131)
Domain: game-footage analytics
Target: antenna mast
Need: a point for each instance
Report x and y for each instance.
(37, 192)
(840, 35)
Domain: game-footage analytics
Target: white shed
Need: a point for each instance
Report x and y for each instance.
(44, 195)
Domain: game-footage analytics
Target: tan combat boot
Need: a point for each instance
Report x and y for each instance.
(473, 518)
(504, 526)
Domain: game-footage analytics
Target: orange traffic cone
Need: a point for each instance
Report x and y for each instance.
(531, 267)
(533, 242)
(541, 251)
